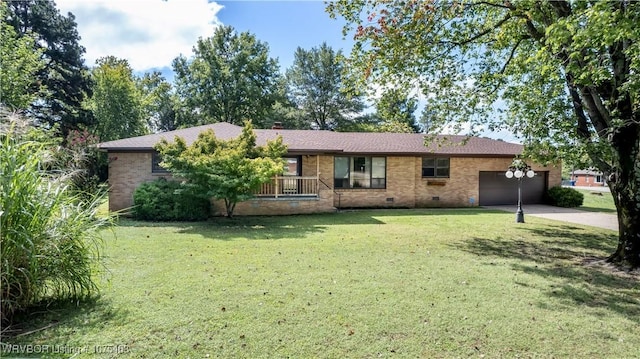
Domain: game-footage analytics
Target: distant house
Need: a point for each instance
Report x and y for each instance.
(328, 170)
(588, 178)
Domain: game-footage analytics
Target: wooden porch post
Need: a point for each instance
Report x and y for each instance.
(317, 175)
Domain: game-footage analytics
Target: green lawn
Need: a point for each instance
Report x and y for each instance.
(364, 284)
(595, 201)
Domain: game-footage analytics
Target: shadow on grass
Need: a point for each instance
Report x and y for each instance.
(258, 227)
(48, 316)
(293, 226)
(597, 209)
(573, 260)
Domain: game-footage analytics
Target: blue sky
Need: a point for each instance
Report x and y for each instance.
(151, 33)
(285, 25)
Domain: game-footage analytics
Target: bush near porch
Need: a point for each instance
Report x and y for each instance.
(163, 200)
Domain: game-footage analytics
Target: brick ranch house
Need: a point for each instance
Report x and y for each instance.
(588, 178)
(328, 170)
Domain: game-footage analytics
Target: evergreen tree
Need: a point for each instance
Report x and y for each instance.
(65, 77)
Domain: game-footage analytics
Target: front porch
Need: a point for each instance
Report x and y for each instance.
(290, 187)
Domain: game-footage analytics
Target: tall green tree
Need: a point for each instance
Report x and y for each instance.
(284, 110)
(230, 78)
(315, 87)
(230, 170)
(64, 78)
(159, 102)
(566, 73)
(116, 102)
(396, 110)
(426, 120)
(19, 64)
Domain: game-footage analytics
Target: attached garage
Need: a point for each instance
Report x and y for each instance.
(497, 189)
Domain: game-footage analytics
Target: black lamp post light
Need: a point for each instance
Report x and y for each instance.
(519, 169)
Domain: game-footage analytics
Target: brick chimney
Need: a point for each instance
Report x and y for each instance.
(277, 125)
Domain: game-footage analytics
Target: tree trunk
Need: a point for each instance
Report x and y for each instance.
(625, 188)
(229, 206)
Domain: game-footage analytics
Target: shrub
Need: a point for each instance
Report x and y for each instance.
(49, 238)
(163, 200)
(564, 197)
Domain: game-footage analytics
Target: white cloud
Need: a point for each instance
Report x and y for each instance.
(148, 33)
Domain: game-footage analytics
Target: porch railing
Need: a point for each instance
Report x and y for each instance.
(290, 186)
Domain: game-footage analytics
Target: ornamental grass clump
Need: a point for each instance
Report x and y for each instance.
(49, 238)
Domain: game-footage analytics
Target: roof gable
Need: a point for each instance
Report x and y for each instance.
(319, 141)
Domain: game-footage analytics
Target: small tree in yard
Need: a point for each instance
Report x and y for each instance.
(230, 170)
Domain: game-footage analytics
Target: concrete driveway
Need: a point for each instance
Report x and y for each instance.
(571, 215)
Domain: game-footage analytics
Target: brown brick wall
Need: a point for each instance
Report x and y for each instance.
(399, 191)
(407, 188)
(463, 183)
(280, 206)
(127, 170)
(405, 185)
(309, 164)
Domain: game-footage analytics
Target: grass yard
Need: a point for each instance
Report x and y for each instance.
(364, 284)
(595, 201)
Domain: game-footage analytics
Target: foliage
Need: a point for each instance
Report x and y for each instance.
(163, 200)
(426, 120)
(229, 78)
(315, 87)
(49, 239)
(18, 65)
(230, 170)
(65, 78)
(357, 284)
(116, 102)
(396, 111)
(563, 75)
(84, 165)
(159, 102)
(284, 110)
(564, 197)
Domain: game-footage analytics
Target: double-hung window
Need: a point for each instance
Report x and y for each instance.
(360, 172)
(435, 167)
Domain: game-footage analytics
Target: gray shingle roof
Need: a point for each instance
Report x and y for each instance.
(311, 141)
(587, 172)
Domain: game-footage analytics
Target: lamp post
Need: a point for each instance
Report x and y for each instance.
(519, 170)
